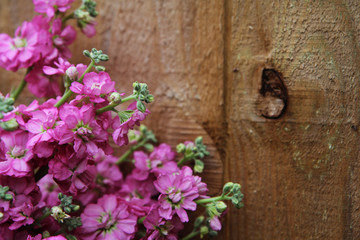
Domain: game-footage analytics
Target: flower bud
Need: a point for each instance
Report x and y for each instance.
(227, 187)
(10, 125)
(58, 214)
(8, 197)
(149, 147)
(86, 53)
(180, 148)
(198, 221)
(140, 106)
(220, 206)
(204, 230)
(115, 97)
(199, 166)
(76, 208)
(100, 68)
(72, 73)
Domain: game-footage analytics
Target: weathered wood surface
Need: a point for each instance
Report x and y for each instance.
(204, 61)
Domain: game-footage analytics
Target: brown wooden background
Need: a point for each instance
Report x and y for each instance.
(204, 59)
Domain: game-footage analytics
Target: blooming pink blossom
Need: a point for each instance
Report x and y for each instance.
(32, 41)
(120, 134)
(14, 156)
(51, 6)
(109, 219)
(96, 86)
(63, 37)
(178, 192)
(157, 228)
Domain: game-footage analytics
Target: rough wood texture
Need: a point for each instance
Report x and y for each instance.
(204, 61)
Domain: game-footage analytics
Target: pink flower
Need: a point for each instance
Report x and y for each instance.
(95, 86)
(109, 219)
(41, 85)
(42, 125)
(51, 6)
(14, 156)
(32, 41)
(178, 192)
(79, 127)
(157, 228)
(160, 162)
(63, 38)
(120, 134)
(215, 223)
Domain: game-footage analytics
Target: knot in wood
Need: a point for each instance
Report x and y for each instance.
(273, 97)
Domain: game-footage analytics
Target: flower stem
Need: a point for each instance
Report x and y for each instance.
(111, 106)
(21, 87)
(209, 200)
(130, 151)
(141, 220)
(68, 17)
(68, 93)
(191, 235)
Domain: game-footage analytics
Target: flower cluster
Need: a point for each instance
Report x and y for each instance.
(59, 176)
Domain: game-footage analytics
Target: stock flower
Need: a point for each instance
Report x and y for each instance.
(178, 191)
(159, 162)
(63, 37)
(31, 42)
(14, 156)
(51, 6)
(79, 127)
(95, 86)
(121, 129)
(157, 228)
(109, 219)
(42, 125)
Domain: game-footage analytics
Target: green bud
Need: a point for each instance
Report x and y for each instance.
(236, 188)
(100, 68)
(213, 233)
(67, 209)
(149, 147)
(8, 197)
(143, 128)
(136, 86)
(70, 237)
(203, 231)
(115, 97)
(58, 214)
(76, 208)
(227, 187)
(198, 221)
(199, 140)
(104, 57)
(140, 106)
(180, 148)
(220, 206)
(199, 166)
(86, 53)
(149, 98)
(46, 234)
(10, 125)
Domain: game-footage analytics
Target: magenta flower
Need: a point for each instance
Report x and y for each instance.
(42, 125)
(160, 162)
(79, 127)
(108, 219)
(32, 41)
(178, 192)
(51, 6)
(96, 86)
(63, 37)
(157, 228)
(120, 134)
(14, 156)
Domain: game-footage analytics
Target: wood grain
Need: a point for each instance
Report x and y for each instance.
(204, 60)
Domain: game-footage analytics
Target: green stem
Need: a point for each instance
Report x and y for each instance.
(191, 235)
(130, 151)
(21, 87)
(68, 93)
(111, 106)
(68, 17)
(209, 200)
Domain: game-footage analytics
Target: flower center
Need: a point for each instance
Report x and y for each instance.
(17, 152)
(174, 195)
(106, 221)
(20, 42)
(96, 85)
